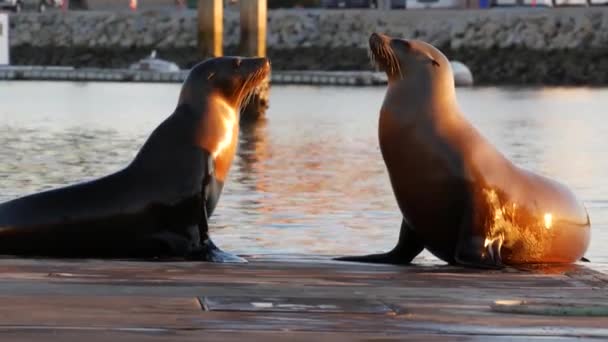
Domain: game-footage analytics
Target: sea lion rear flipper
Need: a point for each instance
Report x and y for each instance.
(583, 259)
(407, 248)
(473, 250)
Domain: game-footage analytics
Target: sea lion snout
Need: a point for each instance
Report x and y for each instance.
(378, 38)
(377, 42)
(254, 64)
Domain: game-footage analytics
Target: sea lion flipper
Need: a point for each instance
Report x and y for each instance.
(472, 251)
(407, 248)
(208, 251)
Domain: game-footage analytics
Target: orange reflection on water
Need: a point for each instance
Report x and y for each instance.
(310, 180)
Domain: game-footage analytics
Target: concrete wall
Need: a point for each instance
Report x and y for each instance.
(501, 46)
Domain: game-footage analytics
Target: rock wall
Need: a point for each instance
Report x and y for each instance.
(501, 46)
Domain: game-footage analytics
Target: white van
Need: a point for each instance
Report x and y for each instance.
(422, 4)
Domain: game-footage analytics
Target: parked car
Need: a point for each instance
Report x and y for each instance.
(421, 4)
(571, 2)
(545, 3)
(39, 5)
(292, 3)
(533, 3)
(398, 3)
(348, 3)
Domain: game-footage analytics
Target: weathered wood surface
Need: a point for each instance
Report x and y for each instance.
(292, 298)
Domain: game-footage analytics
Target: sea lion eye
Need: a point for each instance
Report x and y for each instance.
(237, 63)
(435, 63)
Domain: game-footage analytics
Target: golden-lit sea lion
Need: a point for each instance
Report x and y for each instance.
(459, 196)
(159, 204)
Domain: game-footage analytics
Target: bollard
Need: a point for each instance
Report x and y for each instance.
(253, 27)
(253, 15)
(210, 28)
(4, 44)
(384, 4)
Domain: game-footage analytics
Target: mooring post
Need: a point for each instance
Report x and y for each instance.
(210, 27)
(253, 27)
(253, 44)
(384, 4)
(4, 43)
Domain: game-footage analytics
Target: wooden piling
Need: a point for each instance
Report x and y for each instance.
(384, 4)
(253, 44)
(253, 27)
(210, 27)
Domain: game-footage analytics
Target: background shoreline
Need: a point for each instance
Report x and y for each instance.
(507, 46)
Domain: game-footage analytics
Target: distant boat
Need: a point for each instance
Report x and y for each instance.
(154, 64)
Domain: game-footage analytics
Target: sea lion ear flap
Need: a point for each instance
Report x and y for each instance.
(211, 75)
(435, 63)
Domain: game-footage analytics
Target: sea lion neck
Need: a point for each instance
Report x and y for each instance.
(407, 98)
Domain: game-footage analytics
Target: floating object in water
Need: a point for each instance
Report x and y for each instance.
(462, 74)
(155, 64)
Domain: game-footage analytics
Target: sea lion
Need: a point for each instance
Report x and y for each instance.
(460, 197)
(159, 204)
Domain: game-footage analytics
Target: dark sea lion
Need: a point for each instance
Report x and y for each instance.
(159, 204)
(459, 196)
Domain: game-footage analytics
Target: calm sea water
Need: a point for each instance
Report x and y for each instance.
(310, 179)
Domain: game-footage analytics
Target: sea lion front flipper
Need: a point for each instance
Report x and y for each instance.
(407, 248)
(208, 251)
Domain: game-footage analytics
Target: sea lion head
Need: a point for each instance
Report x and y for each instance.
(232, 78)
(411, 61)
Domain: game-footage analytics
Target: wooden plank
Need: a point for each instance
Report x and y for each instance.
(293, 304)
(93, 335)
(309, 297)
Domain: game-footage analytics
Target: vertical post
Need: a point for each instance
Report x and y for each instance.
(384, 4)
(253, 44)
(210, 27)
(253, 28)
(4, 44)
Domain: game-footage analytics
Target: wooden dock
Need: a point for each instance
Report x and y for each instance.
(295, 77)
(40, 73)
(295, 298)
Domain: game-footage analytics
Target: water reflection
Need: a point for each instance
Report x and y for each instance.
(34, 160)
(310, 179)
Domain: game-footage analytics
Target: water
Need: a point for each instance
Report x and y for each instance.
(310, 179)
